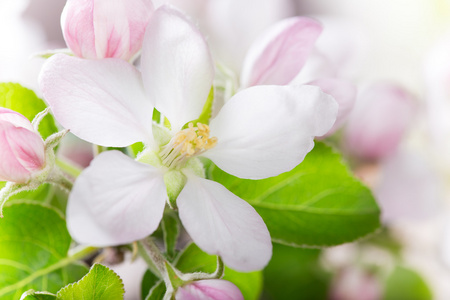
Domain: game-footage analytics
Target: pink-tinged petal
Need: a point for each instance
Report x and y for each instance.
(379, 120)
(221, 223)
(15, 118)
(212, 289)
(176, 66)
(77, 23)
(115, 201)
(279, 55)
(408, 188)
(264, 131)
(102, 102)
(99, 29)
(343, 92)
(21, 153)
(119, 26)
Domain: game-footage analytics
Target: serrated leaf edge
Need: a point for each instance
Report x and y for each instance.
(72, 285)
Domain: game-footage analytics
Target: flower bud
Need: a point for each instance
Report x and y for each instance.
(211, 289)
(378, 122)
(21, 147)
(97, 29)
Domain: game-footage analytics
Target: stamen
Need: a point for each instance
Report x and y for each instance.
(187, 143)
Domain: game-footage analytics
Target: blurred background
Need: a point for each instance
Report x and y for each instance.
(396, 137)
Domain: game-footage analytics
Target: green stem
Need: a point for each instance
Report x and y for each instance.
(59, 178)
(60, 264)
(152, 256)
(68, 168)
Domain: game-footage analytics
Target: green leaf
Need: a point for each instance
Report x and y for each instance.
(318, 203)
(45, 194)
(33, 250)
(20, 99)
(171, 230)
(157, 292)
(295, 273)
(148, 281)
(101, 283)
(404, 283)
(33, 295)
(193, 259)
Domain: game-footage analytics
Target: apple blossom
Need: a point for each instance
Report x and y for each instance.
(97, 29)
(381, 117)
(212, 289)
(21, 147)
(255, 135)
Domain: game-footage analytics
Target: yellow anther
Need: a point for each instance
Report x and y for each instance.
(187, 143)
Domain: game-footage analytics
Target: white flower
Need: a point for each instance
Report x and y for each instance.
(255, 135)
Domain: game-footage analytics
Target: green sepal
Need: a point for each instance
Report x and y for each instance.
(171, 230)
(174, 277)
(175, 182)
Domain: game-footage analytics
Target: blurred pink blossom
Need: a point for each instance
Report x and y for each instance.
(380, 119)
(408, 188)
(355, 284)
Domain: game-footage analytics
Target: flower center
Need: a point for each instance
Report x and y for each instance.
(187, 143)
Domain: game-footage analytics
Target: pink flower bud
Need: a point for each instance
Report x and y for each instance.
(378, 122)
(97, 29)
(211, 289)
(21, 147)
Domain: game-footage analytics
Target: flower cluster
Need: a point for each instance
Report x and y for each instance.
(263, 130)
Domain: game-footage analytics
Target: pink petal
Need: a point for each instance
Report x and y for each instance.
(102, 29)
(119, 27)
(279, 55)
(381, 117)
(176, 66)
(343, 92)
(213, 289)
(221, 223)
(21, 153)
(77, 23)
(115, 201)
(102, 102)
(264, 131)
(15, 118)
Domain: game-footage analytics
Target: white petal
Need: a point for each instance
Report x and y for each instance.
(344, 92)
(115, 201)
(100, 101)
(221, 223)
(176, 66)
(264, 131)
